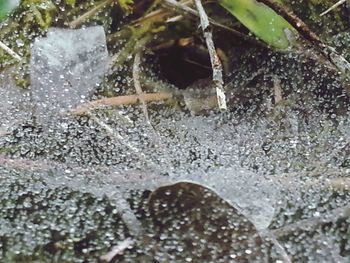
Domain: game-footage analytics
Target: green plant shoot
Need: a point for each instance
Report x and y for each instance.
(7, 6)
(262, 21)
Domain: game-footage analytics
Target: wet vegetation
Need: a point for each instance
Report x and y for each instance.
(132, 131)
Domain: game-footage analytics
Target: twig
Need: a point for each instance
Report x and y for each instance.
(10, 51)
(77, 22)
(117, 250)
(215, 61)
(119, 101)
(333, 7)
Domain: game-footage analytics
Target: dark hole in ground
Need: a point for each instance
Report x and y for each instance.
(182, 66)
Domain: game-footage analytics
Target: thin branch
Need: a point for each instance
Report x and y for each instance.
(215, 61)
(77, 22)
(10, 51)
(333, 7)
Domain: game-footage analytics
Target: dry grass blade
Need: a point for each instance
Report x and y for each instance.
(77, 22)
(277, 90)
(115, 135)
(140, 93)
(117, 250)
(333, 7)
(10, 51)
(3, 132)
(137, 84)
(214, 58)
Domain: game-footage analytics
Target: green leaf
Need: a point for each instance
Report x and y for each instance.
(262, 21)
(7, 6)
(70, 2)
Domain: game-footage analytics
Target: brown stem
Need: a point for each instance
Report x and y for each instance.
(119, 101)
